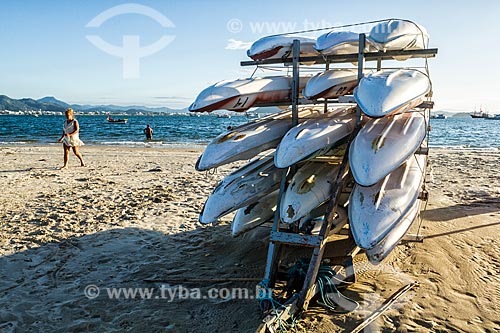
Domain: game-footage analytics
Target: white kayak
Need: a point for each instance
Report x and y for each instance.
(398, 35)
(391, 91)
(309, 188)
(380, 251)
(315, 136)
(255, 214)
(383, 144)
(242, 94)
(246, 141)
(314, 220)
(331, 84)
(339, 42)
(241, 188)
(275, 47)
(375, 210)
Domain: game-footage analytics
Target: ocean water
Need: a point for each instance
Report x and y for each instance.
(183, 130)
(465, 133)
(95, 130)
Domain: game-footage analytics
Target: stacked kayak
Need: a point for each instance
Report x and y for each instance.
(251, 189)
(242, 94)
(396, 35)
(385, 163)
(341, 42)
(275, 47)
(383, 158)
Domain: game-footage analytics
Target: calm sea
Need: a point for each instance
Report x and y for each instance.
(183, 130)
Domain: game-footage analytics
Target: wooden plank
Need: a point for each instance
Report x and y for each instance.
(345, 58)
(327, 159)
(295, 239)
(413, 238)
(312, 272)
(386, 305)
(422, 151)
(426, 105)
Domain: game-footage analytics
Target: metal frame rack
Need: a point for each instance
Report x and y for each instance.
(281, 237)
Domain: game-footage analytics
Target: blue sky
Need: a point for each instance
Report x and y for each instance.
(45, 51)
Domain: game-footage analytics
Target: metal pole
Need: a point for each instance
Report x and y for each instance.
(295, 81)
(327, 67)
(361, 59)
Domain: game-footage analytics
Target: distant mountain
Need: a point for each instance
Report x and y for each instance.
(53, 100)
(452, 114)
(7, 103)
(51, 103)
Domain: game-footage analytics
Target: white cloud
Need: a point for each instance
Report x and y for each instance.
(233, 44)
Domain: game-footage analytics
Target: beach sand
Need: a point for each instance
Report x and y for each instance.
(129, 220)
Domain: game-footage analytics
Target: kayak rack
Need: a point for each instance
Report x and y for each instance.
(275, 313)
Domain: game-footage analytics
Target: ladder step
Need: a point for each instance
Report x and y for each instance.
(426, 105)
(295, 239)
(422, 151)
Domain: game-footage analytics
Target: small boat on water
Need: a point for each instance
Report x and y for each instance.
(117, 121)
(439, 116)
(493, 117)
(482, 114)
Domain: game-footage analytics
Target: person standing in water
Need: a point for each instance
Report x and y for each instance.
(149, 132)
(70, 138)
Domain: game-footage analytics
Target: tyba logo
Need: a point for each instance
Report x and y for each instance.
(131, 50)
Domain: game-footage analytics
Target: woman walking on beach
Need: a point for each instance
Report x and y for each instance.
(70, 138)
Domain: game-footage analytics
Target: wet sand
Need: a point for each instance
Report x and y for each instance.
(129, 220)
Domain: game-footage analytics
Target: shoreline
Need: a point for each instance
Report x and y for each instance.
(131, 217)
(199, 146)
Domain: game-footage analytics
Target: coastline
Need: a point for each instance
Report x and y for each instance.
(130, 217)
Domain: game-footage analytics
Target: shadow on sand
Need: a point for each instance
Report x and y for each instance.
(483, 206)
(43, 289)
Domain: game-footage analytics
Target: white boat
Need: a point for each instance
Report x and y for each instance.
(339, 42)
(391, 91)
(380, 251)
(309, 188)
(242, 94)
(383, 144)
(275, 47)
(246, 141)
(375, 210)
(241, 188)
(314, 220)
(397, 35)
(315, 136)
(331, 84)
(255, 214)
